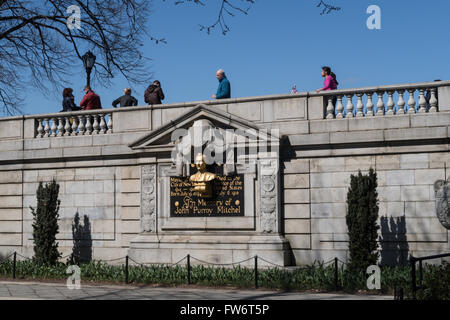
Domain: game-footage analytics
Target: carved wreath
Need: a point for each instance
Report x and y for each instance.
(442, 189)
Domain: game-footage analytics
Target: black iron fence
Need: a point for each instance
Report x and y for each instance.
(413, 261)
(189, 265)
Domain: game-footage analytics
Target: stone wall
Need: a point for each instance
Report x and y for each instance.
(108, 196)
(100, 175)
(315, 205)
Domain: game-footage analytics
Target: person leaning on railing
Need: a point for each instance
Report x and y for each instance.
(127, 100)
(330, 82)
(154, 93)
(68, 103)
(90, 100)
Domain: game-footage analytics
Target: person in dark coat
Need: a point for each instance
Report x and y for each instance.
(154, 93)
(68, 103)
(126, 100)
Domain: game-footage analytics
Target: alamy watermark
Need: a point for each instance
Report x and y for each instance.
(374, 280)
(224, 146)
(74, 280)
(74, 20)
(374, 20)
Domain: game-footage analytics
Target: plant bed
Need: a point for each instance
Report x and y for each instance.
(316, 278)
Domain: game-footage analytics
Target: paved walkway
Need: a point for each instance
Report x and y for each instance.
(59, 291)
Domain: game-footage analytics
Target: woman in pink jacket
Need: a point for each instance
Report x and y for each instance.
(330, 82)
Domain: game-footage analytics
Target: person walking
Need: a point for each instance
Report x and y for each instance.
(68, 103)
(126, 100)
(154, 93)
(224, 89)
(90, 100)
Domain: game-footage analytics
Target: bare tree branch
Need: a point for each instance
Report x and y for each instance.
(327, 8)
(37, 46)
(226, 8)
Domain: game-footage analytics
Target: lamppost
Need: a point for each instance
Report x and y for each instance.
(88, 62)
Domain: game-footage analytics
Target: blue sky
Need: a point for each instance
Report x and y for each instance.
(281, 43)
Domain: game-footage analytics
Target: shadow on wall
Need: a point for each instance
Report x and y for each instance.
(82, 240)
(393, 241)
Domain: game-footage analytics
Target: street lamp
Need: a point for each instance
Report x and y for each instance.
(88, 62)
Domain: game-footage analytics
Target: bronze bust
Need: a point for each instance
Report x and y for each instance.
(202, 179)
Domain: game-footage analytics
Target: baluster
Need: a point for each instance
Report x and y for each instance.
(53, 128)
(330, 108)
(102, 124)
(359, 106)
(60, 127)
(401, 102)
(67, 127)
(40, 129)
(380, 103)
(339, 108)
(110, 123)
(422, 101)
(411, 101)
(88, 125)
(96, 125)
(350, 106)
(81, 127)
(390, 104)
(433, 101)
(46, 128)
(369, 105)
(74, 125)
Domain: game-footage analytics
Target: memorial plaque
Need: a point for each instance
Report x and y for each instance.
(227, 198)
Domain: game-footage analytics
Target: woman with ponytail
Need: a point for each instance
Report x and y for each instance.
(330, 82)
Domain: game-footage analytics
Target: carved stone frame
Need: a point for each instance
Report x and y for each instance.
(167, 223)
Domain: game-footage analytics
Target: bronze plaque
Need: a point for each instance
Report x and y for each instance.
(227, 198)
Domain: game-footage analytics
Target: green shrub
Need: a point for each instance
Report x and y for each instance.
(361, 221)
(315, 277)
(45, 224)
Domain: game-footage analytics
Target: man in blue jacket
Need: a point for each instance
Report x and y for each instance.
(224, 89)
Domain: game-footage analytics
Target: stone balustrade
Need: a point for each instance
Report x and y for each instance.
(74, 124)
(289, 113)
(420, 98)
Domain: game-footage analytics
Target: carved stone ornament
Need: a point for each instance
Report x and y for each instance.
(148, 198)
(442, 192)
(268, 196)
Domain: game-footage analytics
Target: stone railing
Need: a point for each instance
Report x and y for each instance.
(74, 123)
(287, 112)
(421, 98)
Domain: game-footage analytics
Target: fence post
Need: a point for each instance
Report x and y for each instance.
(14, 264)
(336, 274)
(189, 269)
(256, 272)
(413, 275)
(401, 294)
(126, 269)
(420, 273)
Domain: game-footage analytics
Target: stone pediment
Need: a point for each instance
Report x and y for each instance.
(161, 139)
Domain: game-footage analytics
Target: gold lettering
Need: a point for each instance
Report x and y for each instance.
(227, 200)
